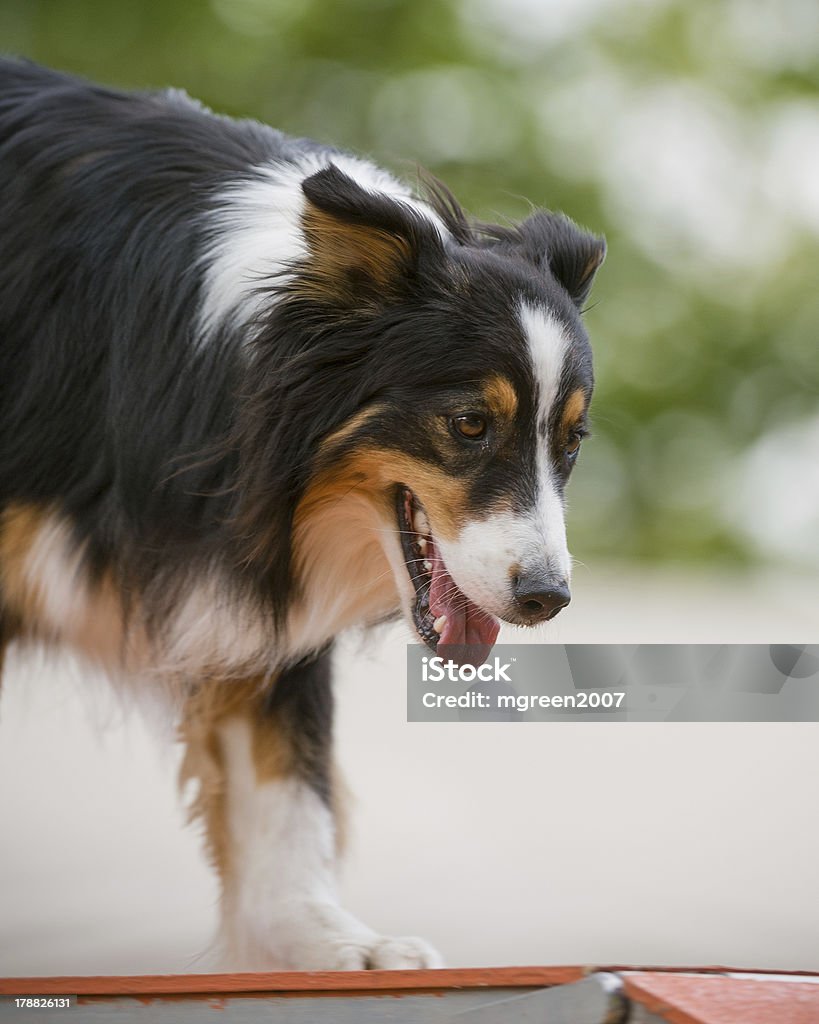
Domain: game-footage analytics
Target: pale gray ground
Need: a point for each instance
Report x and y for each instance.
(500, 843)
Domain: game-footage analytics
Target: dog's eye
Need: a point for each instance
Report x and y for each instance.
(573, 447)
(470, 425)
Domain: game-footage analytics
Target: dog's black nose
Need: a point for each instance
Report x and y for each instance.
(539, 598)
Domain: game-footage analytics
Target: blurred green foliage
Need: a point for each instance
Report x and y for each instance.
(687, 131)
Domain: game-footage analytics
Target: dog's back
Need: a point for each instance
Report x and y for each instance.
(109, 411)
(101, 203)
(142, 237)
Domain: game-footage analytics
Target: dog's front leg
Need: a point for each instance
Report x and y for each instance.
(263, 758)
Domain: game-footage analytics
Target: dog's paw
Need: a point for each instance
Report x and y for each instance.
(384, 953)
(314, 935)
(325, 937)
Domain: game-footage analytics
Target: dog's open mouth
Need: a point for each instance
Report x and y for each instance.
(445, 618)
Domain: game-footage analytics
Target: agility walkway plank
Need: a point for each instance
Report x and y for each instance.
(557, 995)
(506, 995)
(714, 999)
(299, 981)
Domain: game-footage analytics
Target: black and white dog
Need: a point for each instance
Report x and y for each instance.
(254, 391)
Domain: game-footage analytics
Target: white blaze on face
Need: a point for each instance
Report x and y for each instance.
(548, 344)
(488, 552)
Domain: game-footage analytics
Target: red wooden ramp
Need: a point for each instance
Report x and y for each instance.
(540, 995)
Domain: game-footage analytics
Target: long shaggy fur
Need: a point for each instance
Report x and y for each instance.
(254, 391)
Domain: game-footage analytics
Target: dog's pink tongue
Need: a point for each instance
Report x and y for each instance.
(468, 630)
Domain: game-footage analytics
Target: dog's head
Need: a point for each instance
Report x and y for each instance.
(456, 377)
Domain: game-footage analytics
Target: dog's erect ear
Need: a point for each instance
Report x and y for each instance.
(363, 246)
(572, 255)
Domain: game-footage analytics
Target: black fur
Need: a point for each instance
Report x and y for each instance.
(104, 402)
(301, 705)
(170, 457)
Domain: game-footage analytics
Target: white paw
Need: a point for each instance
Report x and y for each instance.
(404, 955)
(384, 953)
(314, 935)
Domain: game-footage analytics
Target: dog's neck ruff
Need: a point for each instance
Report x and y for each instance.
(254, 235)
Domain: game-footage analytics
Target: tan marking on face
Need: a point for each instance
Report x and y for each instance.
(444, 497)
(371, 474)
(501, 397)
(573, 410)
(344, 537)
(346, 255)
(341, 565)
(338, 551)
(348, 429)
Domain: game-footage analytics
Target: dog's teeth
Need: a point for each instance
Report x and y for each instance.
(439, 623)
(427, 565)
(422, 544)
(420, 522)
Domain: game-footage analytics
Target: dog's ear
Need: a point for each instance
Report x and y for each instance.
(363, 246)
(573, 256)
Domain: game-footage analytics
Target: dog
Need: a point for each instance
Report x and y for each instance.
(255, 391)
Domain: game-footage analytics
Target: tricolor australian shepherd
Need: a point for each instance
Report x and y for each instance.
(255, 391)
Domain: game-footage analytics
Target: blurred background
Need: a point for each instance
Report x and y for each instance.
(685, 130)
(688, 132)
